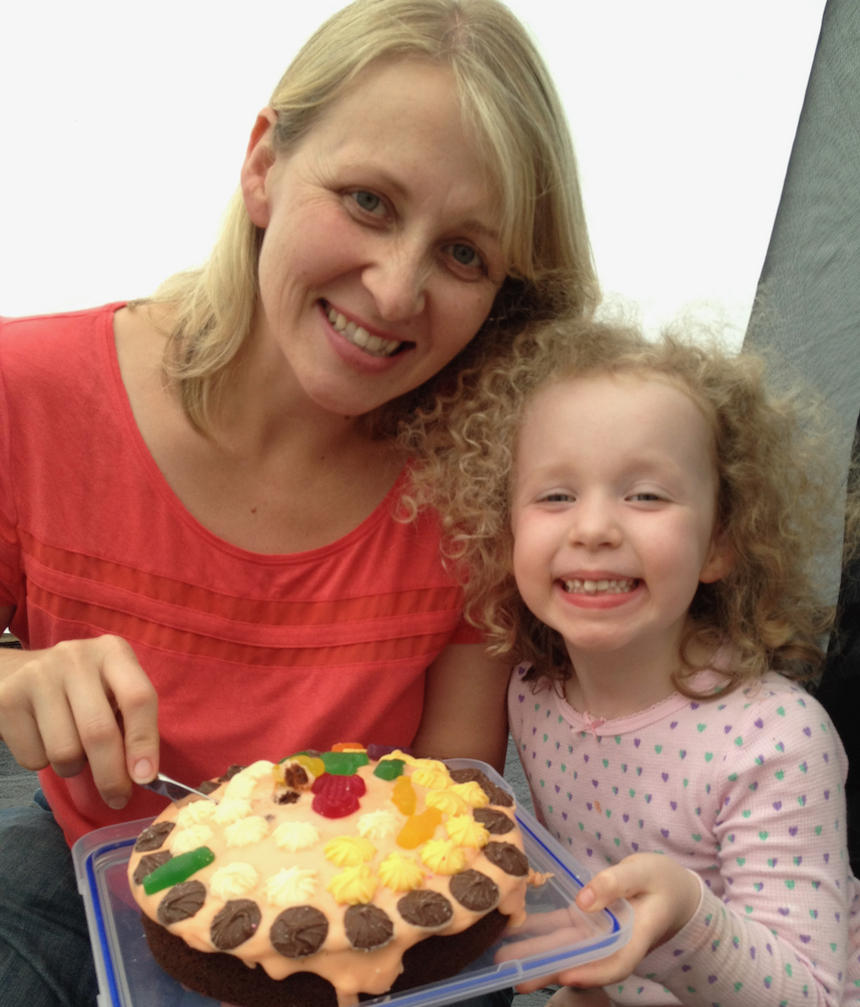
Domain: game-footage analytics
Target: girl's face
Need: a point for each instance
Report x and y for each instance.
(381, 256)
(613, 513)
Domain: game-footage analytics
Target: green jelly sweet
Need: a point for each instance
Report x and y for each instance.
(178, 869)
(389, 769)
(344, 763)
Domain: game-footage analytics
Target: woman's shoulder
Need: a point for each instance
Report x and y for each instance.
(52, 342)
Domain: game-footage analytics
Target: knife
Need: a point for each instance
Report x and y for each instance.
(173, 789)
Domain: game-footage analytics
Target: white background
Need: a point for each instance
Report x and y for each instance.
(123, 125)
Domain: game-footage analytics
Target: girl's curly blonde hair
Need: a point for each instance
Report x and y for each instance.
(781, 498)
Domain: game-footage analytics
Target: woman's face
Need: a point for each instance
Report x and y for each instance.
(381, 256)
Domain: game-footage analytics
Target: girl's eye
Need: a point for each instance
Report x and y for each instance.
(646, 497)
(557, 497)
(368, 201)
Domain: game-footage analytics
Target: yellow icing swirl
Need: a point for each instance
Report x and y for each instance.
(432, 774)
(241, 786)
(246, 831)
(353, 886)
(400, 873)
(465, 831)
(472, 793)
(189, 839)
(378, 825)
(443, 857)
(349, 851)
(446, 801)
(291, 886)
(232, 881)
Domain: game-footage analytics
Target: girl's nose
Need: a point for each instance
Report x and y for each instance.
(593, 524)
(396, 281)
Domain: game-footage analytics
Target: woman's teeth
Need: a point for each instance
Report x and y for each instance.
(355, 334)
(599, 586)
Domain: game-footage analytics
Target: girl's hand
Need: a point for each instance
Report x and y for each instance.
(664, 897)
(78, 702)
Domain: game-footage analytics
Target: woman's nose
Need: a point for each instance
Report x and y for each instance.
(396, 280)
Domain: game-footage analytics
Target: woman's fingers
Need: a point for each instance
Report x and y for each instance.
(84, 701)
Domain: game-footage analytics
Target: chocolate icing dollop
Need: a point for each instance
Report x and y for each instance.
(286, 796)
(507, 858)
(235, 923)
(425, 908)
(231, 772)
(148, 864)
(496, 795)
(497, 823)
(208, 786)
(474, 890)
(153, 836)
(299, 931)
(181, 901)
(367, 927)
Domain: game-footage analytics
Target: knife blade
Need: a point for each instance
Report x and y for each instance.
(173, 789)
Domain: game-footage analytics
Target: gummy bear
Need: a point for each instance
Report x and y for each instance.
(337, 796)
(344, 763)
(178, 869)
(403, 796)
(389, 769)
(419, 828)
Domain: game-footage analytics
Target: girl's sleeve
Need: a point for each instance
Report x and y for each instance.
(780, 934)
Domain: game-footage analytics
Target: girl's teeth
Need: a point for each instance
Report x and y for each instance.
(355, 334)
(599, 586)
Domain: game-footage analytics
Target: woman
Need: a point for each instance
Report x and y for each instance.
(205, 508)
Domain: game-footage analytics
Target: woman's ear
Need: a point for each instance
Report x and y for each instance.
(719, 561)
(259, 158)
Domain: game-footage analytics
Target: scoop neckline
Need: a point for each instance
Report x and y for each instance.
(166, 492)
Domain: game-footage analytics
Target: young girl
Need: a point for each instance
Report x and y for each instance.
(640, 523)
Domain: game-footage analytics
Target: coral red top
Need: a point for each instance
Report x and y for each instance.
(253, 656)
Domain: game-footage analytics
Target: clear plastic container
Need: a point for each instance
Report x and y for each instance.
(556, 935)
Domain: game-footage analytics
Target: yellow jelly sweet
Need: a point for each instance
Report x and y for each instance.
(311, 763)
(419, 828)
(403, 796)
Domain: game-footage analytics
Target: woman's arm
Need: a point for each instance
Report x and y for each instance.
(464, 707)
(81, 701)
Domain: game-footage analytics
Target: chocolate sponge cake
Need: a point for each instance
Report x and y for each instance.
(335, 876)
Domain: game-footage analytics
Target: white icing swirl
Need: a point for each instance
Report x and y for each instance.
(194, 813)
(231, 810)
(233, 880)
(185, 840)
(378, 825)
(246, 831)
(295, 836)
(291, 886)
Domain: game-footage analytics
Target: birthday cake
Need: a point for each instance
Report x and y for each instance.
(329, 877)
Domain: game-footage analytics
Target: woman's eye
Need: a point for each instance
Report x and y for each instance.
(368, 201)
(465, 255)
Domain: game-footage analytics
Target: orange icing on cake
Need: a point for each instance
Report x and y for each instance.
(283, 855)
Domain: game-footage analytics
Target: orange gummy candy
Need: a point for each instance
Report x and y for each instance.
(419, 828)
(403, 796)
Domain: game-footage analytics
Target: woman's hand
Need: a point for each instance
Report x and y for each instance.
(664, 897)
(77, 702)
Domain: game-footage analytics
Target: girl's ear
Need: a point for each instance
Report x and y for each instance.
(719, 561)
(259, 158)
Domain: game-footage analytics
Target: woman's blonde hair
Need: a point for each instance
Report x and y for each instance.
(510, 104)
(780, 507)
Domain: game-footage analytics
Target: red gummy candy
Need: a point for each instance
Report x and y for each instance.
(336, 796)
